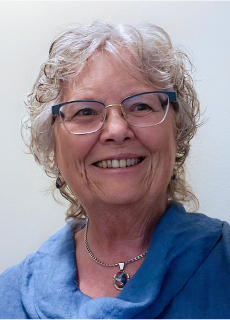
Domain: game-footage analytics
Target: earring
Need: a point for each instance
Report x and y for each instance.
(58, 180)
(174, 174)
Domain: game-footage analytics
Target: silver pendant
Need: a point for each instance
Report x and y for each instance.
(120, 278)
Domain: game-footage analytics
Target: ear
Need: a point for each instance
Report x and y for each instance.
(55, 147)
(55, 155)
(55, 159)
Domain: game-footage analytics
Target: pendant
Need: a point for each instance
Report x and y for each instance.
(121, 278)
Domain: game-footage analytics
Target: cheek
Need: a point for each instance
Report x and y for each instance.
(157, 140)
(71, 152)
(161, 144)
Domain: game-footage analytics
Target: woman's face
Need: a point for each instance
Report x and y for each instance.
(103, 79)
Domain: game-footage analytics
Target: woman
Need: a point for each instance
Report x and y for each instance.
(111, 116)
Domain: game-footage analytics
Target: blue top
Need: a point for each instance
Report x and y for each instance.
(185, 274)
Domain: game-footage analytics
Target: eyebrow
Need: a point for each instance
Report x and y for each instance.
(100, 100)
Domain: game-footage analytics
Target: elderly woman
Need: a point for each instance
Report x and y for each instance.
(112, 114)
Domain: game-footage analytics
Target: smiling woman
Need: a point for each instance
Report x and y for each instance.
(143, 52)
(112, 114)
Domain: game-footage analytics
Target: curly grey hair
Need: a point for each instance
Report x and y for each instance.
(154, 56)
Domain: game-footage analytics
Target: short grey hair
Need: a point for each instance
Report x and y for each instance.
(160, 63)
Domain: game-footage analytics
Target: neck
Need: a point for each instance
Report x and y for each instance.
(124, 230)
(115, 235)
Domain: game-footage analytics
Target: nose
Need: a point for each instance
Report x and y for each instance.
(115, 129)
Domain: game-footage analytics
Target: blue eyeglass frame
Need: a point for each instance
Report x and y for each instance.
(171, 95)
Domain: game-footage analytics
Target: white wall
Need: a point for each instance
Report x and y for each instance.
(28, 215)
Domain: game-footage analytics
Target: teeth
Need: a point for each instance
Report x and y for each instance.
(122, 163)
(115, 164)
(118, 163)
(109, 163)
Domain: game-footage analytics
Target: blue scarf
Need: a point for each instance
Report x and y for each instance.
(185, 274)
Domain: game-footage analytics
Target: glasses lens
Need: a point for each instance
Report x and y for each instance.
(146, 109)
(82, 116)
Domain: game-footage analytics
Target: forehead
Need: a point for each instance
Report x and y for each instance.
(104, 74)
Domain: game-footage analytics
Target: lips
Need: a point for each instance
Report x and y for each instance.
(114, 163)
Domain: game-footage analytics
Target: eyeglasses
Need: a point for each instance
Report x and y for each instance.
(139, 110)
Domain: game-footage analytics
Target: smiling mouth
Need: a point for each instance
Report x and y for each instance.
(118, 163)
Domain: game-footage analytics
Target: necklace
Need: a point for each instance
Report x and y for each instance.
(120, 278)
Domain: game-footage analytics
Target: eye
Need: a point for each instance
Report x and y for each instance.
(86, 112)
(141, 107)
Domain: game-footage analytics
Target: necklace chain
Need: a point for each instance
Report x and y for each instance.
(107, 264)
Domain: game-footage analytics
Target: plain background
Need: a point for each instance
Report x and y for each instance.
(29, 215)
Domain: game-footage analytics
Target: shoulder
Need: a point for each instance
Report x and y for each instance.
(10, 290)
(185, 219)
(196, 231)
(177, 217)
(51, 246)
(17, 282)
(190, 257)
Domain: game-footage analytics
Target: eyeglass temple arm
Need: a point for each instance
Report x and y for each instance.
(172, 96)
(55, 109)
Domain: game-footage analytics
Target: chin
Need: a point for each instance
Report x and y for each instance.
(120, 197)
